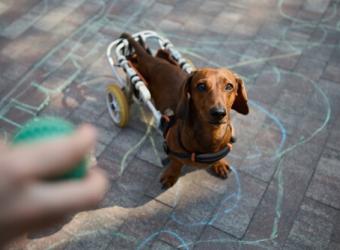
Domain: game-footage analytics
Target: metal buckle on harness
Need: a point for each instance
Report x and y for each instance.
(193, 157)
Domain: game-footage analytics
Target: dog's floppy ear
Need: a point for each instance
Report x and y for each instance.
(183, 109)
(241, 101)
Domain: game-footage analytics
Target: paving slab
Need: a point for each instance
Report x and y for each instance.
(325, 185)
(312, 227)
(284, 188)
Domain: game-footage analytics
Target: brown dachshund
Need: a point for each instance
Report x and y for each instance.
(202, 103)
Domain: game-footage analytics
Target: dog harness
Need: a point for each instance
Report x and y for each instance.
(208, 158)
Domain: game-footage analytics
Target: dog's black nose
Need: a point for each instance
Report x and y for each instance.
(218, 112)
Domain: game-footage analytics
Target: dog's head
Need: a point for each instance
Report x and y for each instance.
(211, 94)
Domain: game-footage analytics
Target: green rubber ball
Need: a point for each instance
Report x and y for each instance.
(41, 128)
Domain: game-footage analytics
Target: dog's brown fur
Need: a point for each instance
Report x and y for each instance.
(171, 88)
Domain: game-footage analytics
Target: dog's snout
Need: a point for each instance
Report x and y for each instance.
(218, 112)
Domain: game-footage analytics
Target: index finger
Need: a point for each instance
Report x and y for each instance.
(52, 157)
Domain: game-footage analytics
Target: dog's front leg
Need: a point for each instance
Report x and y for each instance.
(221, 168)
(171, 173)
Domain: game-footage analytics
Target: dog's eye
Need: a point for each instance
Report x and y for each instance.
(201, 87)
(229, 87)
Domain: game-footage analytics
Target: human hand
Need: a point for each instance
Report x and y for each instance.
(27, 200)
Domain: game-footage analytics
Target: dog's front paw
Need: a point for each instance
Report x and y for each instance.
(221, 170)
(168, 180)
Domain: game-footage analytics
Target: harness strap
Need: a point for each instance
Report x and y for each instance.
(166, 123)
(208, 158)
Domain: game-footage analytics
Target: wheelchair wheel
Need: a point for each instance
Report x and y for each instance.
(117, 105)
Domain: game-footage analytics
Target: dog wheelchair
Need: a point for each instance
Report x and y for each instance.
(134, 85)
